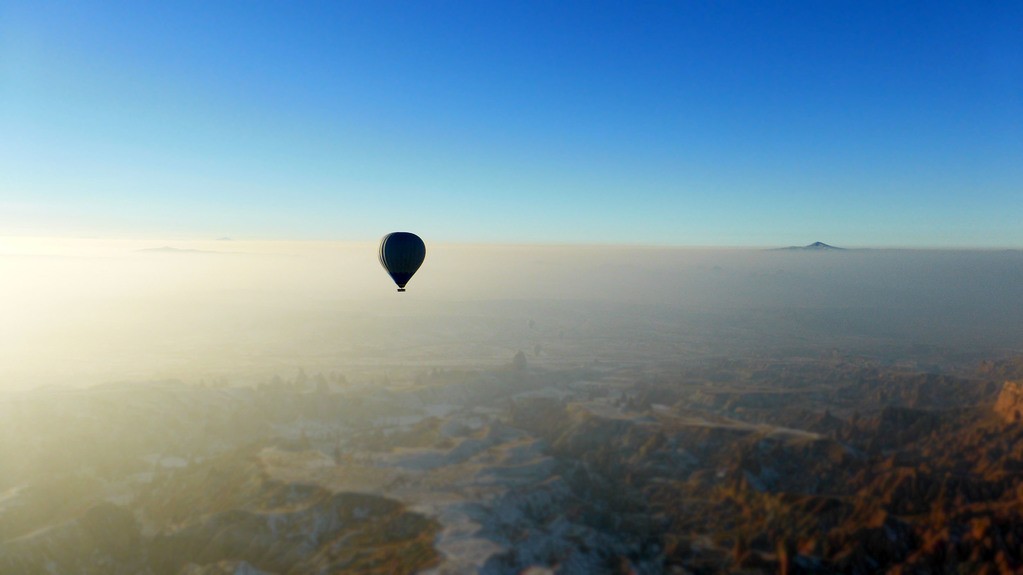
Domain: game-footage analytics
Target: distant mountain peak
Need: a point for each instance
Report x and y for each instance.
(815, 246)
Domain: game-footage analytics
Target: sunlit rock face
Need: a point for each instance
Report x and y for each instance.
(1010, 402)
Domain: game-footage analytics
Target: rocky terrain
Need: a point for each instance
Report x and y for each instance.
(825, 464)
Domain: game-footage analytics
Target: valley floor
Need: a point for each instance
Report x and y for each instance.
(808, 465)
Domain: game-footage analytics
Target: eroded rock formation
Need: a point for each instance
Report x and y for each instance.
(1010, 402)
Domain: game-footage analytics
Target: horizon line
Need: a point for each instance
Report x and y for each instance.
(492, 243)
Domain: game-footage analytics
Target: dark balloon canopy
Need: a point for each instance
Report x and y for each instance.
(401, 254)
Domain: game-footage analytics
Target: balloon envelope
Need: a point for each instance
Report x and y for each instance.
(401, 254)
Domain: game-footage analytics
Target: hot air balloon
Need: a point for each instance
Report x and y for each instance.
(401, 254)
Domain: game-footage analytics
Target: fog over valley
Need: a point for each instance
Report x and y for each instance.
(236, 407)
(81, 312)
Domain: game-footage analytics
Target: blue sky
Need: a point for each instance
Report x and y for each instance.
(679, 123)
